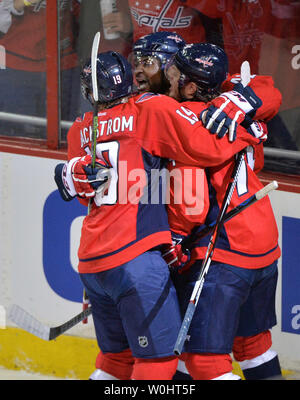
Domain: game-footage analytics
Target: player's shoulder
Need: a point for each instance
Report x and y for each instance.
(195, 106)
(84, 119)
(147, 96)
(80, 123)
(153, 100)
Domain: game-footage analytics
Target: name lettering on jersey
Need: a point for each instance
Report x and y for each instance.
(157, 20)
(106, 128)
(188, 115)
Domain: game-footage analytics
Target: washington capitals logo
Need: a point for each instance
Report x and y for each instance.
(157, 19)
(175, 37)
(206, 62)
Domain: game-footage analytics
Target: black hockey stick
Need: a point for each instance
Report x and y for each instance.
(204, 230)
(30, 324)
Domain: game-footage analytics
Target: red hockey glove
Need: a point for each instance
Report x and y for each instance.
(259, 130)
(78, 178)
(229, 110)
(88, 180)
(174, 257)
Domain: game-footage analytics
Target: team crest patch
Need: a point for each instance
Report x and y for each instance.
(206, 62)
(143, 341)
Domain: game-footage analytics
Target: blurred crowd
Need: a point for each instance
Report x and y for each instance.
(264, 32)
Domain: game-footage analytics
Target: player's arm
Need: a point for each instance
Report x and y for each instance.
(168, 129)
(227, 111)
(77, 177)
(264, 88)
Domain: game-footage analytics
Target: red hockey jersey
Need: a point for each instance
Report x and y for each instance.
(189, 198)
(245, 24)
(25, 41)
(184, 216)
(133, 137)
(250, 239)
(264, 32)
(166, 15)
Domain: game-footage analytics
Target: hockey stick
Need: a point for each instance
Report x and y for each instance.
(94, 55)
(30, 324)
(188, 242)
(182, 335)
(245, 73)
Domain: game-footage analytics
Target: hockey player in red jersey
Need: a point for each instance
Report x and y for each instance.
(237, 303)
(272, 99)
(151, 54)
(23, 41)
(123, 232)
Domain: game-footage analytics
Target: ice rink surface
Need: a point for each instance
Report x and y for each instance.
(12, 375)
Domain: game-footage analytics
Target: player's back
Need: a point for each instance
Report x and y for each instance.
(250, 239)
(132, 217)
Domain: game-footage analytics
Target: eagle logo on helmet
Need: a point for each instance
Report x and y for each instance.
(175, 37)
(205, 61)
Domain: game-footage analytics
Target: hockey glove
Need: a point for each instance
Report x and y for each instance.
(79, 178)
(229, 110)
(174, 257)
(259, 130)
(64, 182)
(173, 254)
(88, 180)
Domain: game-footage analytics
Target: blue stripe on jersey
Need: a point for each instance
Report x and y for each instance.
(112, 253)
(250, 255)
(152, 214)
